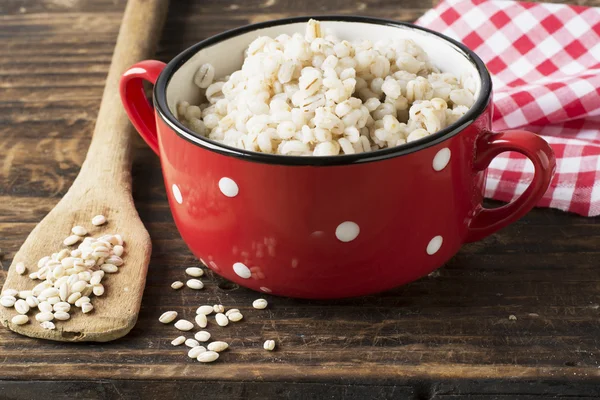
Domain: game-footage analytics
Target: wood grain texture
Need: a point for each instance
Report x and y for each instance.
(215, 390)
(103, 186)
(444, 337)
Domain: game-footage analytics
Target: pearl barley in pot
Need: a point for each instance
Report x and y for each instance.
(316, 94)
(304, 223)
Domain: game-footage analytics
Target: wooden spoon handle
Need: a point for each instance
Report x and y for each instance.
(109, 157)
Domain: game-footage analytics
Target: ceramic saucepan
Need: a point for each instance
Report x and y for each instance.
(337, 226)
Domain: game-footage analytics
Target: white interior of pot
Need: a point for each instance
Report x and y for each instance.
(227, 56)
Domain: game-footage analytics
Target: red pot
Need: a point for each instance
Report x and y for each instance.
(328, 227)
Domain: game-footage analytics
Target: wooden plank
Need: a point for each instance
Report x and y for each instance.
(350, 371)
(210, 390)
(443, 337)
(215, 390)
(246, 7)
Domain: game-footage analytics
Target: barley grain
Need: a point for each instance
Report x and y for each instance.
(37, 290)
(21, 306)
(202, 336)
(78, 286)
(62, 306)
(218, 308)
(98, 220)
(98, 289)
(48, 325)
(23, 294)
(81, 301)
(61, 315)
(79, 230)
(260, 304)
(184, 325)
(118, 250)
(204, 76)
(194, 352)
(8, 301)
(71, 240)
(179, 340)
(168, 317)
(32, 301)
(177, 285)
(44, 306)
(115, 260)
(73, 297)
(20, 268)
(194, 271)
(109, 268)
(201, 320)
(191, 343)
(43, 261)
(20, 319)
(49, 292)
(221, 319)
(85, 276)
(44, 316)
(206, 310)
(233, 310)
(195, 284)
(96, 279)
(235, 317)
(86, 307)
(269, 345)
(208, 356)
(217, 346)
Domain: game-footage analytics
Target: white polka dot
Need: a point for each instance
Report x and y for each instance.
(228, 187)
(441, 159)
(242, 270)
(177, 194)
(347, 231)
(434, 245)
(295, 262)
(265, 289)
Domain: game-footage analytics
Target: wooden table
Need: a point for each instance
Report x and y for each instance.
(447, 336)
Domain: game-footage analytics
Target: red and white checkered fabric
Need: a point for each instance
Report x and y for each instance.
(545, 64)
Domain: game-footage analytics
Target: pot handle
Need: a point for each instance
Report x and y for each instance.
(138, 108)
(487, 221)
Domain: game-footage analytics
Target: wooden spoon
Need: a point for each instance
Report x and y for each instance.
(103, 186)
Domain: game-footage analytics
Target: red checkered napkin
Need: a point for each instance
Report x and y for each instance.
(545, 65)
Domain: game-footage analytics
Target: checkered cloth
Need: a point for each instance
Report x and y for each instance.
(545, 65)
